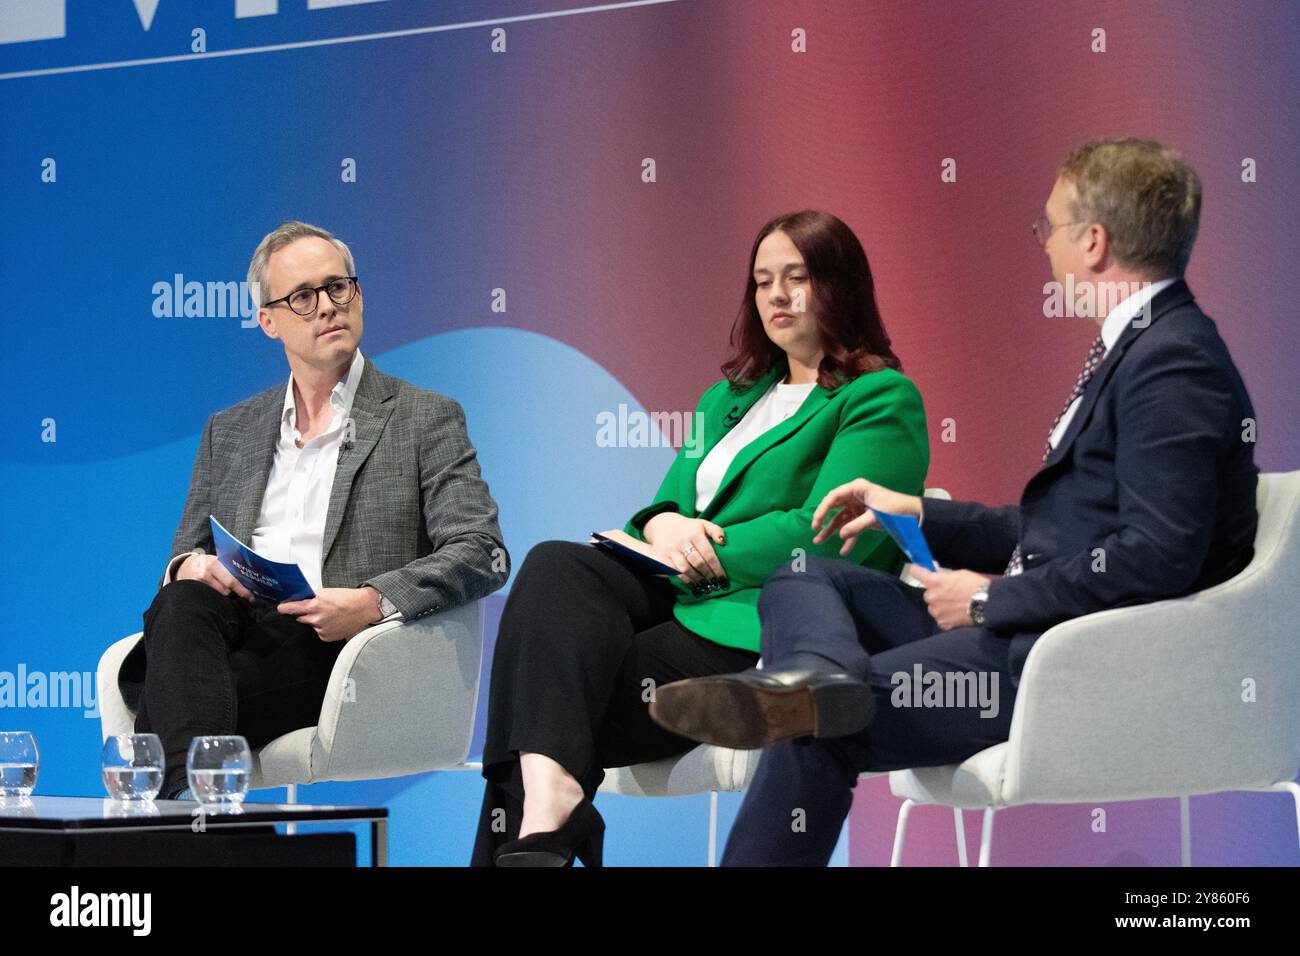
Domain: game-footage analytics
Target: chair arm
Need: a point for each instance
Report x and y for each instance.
(699, 770)
(1153, 701)
(114, 716)
(402, 697)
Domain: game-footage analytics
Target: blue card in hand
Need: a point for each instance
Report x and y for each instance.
(272, 581)
(906, 532)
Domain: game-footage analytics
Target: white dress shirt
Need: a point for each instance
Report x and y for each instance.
(291, 525)
(778, 403)
(1111, 329)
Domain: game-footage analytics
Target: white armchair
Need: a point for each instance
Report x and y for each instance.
(400, 700)
(1195, 695)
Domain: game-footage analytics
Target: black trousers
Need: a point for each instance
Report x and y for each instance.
(217, 664)
(873, 626)
(583, 642)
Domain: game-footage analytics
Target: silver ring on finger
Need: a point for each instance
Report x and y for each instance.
(688, 550)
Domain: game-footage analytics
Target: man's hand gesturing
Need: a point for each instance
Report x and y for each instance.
(855, 501)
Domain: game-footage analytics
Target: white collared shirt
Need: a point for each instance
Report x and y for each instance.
(291, 524)
(778, 403)
(1111, 329)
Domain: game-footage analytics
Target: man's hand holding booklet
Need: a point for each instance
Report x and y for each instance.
(273, 581)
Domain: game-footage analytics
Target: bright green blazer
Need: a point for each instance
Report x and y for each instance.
(872, 427)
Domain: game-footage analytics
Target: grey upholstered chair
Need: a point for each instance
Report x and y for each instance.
(1195, 695)
(400, 700)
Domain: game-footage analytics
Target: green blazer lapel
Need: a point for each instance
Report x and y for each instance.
(814, 402)
(720, 416)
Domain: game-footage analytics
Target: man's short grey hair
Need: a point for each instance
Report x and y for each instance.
(280, 237)
(1147, 197)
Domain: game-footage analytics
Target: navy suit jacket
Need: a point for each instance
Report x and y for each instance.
(1156, 470)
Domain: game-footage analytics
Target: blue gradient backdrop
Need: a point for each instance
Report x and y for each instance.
(522, 171)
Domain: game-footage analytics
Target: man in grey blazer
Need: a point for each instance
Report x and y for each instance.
(368, 483)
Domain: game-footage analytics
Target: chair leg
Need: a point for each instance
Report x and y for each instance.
(960, 825)
(986, 837)
(900, 830)
(1185, 830)
(1293, 788)
(713, 828)
(291, 796)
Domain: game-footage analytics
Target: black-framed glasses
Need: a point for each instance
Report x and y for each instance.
(341, 291)
(1042, 228)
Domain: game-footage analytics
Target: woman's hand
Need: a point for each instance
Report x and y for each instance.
(687, 545)
(856, 501)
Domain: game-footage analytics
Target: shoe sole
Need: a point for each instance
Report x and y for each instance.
(729, 713)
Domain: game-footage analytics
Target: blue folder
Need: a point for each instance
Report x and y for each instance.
(906, 532)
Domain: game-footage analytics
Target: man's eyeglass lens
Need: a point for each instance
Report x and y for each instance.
(340, 292)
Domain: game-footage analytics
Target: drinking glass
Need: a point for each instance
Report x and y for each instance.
(20, 762)
(218, 769)
(132, 765)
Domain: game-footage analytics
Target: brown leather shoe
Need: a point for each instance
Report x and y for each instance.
(755, 708)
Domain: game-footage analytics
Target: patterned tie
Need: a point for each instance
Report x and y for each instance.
(1090, 365)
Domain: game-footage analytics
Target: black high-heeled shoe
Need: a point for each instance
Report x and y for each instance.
(581, 836)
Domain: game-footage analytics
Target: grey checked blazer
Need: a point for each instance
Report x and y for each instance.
(409, 513)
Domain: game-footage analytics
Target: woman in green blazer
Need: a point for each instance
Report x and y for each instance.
(813, 398)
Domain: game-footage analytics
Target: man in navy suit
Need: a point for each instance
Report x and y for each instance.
(1146, 492)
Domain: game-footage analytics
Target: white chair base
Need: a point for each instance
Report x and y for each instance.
(986, 830)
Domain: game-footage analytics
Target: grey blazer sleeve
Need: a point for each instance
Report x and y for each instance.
(469, 558)
(194, 532)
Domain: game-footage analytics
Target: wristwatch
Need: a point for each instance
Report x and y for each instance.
(386, 607)
(977, 602)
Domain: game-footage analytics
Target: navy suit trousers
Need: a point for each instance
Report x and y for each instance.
(871, 625)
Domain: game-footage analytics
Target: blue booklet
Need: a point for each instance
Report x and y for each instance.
(906, 532)
(631, 557)
(273, 581)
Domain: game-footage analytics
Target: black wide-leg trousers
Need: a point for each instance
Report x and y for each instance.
(219, 664)
(582, 644)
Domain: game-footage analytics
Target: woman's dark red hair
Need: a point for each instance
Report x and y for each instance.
(844, 296)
